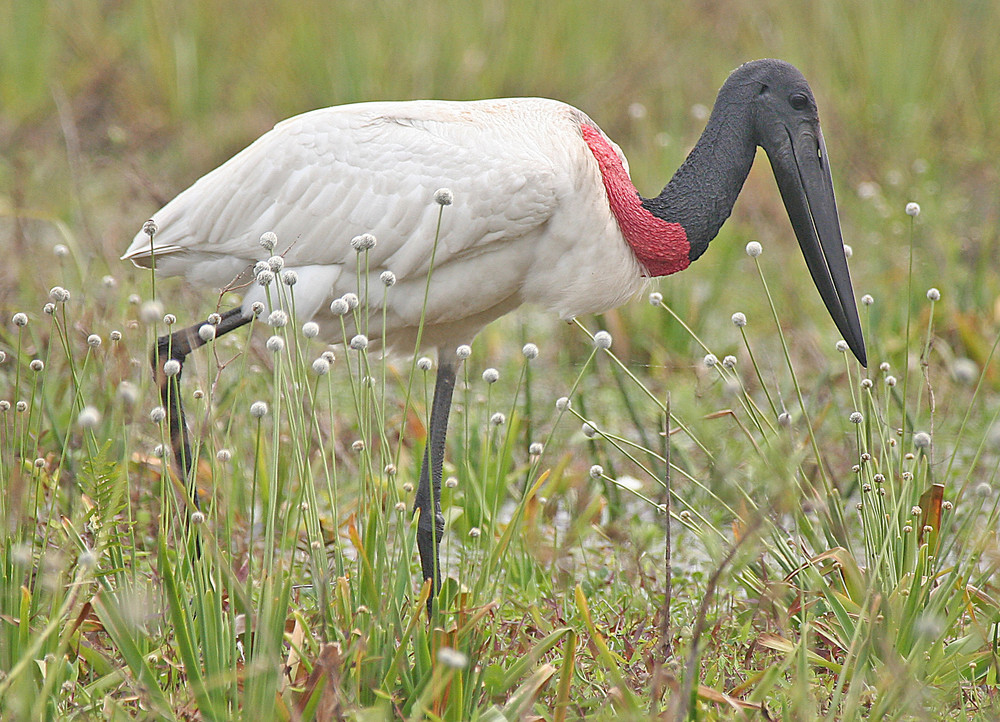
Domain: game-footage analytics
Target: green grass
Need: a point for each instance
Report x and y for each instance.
(303, 601)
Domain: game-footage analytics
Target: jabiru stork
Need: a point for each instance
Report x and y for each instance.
(544, 212)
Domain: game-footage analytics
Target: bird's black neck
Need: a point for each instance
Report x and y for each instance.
(702, 192)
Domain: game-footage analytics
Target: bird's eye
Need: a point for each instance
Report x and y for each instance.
(798, 101)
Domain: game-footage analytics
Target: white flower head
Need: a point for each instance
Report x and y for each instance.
(536, 448)
(655, 298)
(912, 209)
(890, 380)
(94, 341)
(87, 560)
(463, 351)
(206, 332)
(49, 308)
(320, 366)
(59, 294)
(289, 277)
(848, 251)
(444, 197)
(275, 263)
(258, 409)
(452, 658)
(739, 319)
(60, 250)
(588, 430)
(596, 471)
(214, 319)
(498, 419)
(275, 344)
(89, 417)
(223, 455)
(424, 363)
(530, 351)
(277, 318)
(359, 342)
(711, 360)
(965, 370)
(352, 300)
(158, 414)
(562, 403)
(602, 339)
(171, 367)
(149, 228)
(842, 346)
(268, 241)
(115, 335)
(364, 242)
(20, 319)
(491, 376)
(127, 393)
(256, 308)
(754, 249)
(856, 417)
(310, 329)
(933, 294)
(265, 277)
(729, 362)
(151, 312)
(339, 307)
(922, 440)
(867, 299)
(388, 278)
(169, 319)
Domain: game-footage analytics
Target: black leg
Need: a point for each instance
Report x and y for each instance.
(430, 527)
(176, 347)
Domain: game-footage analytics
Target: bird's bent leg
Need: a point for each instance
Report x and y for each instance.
(176, 347)
(430, 527)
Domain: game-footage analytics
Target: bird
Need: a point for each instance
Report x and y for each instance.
(541, 210)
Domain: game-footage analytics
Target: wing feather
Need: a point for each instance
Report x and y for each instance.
(319, 179)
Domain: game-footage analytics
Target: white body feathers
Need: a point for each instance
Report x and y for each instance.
(530, 222)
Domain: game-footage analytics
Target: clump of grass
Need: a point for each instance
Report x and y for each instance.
(291, 584)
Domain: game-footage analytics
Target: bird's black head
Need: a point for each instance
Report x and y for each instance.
(767, 103)
(786, 125)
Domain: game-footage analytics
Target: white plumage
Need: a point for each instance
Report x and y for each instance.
(530, 222)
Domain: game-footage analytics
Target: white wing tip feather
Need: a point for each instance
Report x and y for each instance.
(139, 252)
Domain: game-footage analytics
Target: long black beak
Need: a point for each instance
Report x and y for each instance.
(806, 187)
